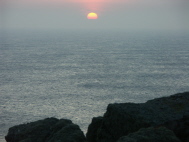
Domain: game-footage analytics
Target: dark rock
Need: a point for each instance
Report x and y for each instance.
(151, 135)
(47, 130)
(180, 127)
(122, 119)
(93, 128)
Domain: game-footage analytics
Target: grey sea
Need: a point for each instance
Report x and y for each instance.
(75, 75)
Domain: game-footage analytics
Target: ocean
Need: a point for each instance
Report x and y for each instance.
(76, 74)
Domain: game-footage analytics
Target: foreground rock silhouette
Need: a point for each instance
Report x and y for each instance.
(125, 118)
(163, 119)
(47, 130)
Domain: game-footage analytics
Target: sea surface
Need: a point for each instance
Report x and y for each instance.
(75, 75)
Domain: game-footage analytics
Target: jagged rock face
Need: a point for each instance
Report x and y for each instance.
(47, 130)
(161, 134)
(122, 119)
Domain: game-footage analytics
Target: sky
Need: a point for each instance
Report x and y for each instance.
(112, 14)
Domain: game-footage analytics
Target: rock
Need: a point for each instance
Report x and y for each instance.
(180, 127)
(93, 128)
(161, 134)
(122, 119)
(47, 130)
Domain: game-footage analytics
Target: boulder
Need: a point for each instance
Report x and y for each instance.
(124, 118)
(47, 130)
(151, 134)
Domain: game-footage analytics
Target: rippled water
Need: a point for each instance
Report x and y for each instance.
(75, 75)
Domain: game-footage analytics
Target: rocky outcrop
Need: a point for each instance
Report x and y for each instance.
(47, 130)
(151, 134)
(163, 119)
(123, 119)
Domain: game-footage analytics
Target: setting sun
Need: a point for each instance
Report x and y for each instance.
(92, 16)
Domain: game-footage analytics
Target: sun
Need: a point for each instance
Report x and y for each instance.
(92, 15)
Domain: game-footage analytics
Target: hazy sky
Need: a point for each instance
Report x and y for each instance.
(113, 14)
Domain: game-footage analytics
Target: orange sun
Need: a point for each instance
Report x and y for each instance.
(92, 16)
